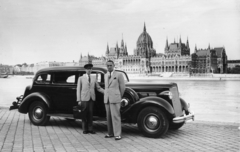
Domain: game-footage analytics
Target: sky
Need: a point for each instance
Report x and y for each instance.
(62, 30)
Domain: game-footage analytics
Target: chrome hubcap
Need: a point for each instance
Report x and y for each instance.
(38, 113)
(152, 122)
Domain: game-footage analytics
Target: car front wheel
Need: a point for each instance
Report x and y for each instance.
(153, 122)
(38, 113)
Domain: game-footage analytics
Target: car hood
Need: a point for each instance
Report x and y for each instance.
(154, 84)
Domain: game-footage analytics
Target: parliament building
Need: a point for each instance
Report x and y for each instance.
(145, 59)
(175, 60)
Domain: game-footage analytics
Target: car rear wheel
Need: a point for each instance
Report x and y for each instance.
(153, 122)
(38, 113)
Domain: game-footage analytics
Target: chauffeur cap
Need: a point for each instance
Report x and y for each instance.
(88, 66)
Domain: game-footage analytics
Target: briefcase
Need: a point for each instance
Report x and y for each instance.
(77, 112)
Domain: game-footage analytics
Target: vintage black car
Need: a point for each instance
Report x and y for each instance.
(154, 107)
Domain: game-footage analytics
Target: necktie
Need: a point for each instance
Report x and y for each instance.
(89, 79)
(110, 75)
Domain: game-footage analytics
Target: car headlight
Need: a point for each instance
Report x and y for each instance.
(124, 102)
(167, 93)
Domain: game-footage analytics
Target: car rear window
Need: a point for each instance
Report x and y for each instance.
(64, 78)
(43, 79)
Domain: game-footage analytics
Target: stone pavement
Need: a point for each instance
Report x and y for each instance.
(17, 134)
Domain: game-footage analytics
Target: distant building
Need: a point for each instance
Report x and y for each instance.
(97, 62)
(6, 69)
(221, 60)
(204, 61)
(146, 60)
(176, 58)
(233, 63)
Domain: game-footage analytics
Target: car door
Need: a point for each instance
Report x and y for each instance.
(99, 107)
(64, 86)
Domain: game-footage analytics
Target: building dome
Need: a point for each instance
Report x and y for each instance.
(144, 39)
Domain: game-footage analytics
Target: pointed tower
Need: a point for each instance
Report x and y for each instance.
(144, 28)
(122, 43)
(107, 51)
(187, 43)
(195, 51)
(188, 48)
(166, 46)
(209, 46)
(89, 60)
(117, 50)
(180, 42)
(126, 52)
(80, 59)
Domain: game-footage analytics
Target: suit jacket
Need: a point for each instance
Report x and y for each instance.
(114, 87)
(86, 90)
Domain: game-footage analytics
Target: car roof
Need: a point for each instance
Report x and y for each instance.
(70, 68)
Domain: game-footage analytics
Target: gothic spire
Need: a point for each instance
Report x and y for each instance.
(107, 51)
(166, 44)
(180, 41)
(187, 43)
(126, 53)
(144, 28)
(80, 58)
(122, 43)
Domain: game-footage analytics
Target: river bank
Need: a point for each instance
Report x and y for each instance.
(217, 77)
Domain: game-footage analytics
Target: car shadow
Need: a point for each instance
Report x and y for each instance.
(100, 126)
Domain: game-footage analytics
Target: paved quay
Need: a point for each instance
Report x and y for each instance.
(17, 134)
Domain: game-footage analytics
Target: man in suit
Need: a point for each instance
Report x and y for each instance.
(86, 97)
(114, 90)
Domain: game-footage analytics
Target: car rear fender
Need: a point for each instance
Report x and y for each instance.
(36, 96)
(132, 112)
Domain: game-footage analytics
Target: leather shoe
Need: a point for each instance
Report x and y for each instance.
(92, 132)
(118, 137)
(85, 132)
(109, 136)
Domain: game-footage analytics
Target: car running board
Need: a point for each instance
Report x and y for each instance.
(69, 116)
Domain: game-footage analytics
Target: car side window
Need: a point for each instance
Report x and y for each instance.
(64, 78)
(95, 75)
(43, 79)
(100, 77)
(71, 79)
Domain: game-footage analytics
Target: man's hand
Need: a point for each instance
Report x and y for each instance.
(79, 103)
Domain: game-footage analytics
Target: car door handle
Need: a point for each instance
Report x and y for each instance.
(73, 88)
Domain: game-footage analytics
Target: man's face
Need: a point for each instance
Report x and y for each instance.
(88, 71)
(110, 66)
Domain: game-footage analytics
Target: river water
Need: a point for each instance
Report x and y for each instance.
(211, 100)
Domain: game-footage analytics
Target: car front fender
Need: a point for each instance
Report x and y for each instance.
(131, 113)
(36, 96)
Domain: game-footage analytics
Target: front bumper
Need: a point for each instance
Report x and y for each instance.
(184, 118)
(15, 104)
